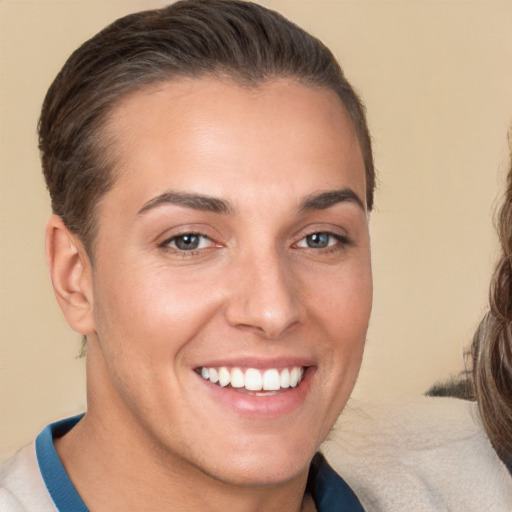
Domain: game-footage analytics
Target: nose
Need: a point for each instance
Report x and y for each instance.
(263, 297)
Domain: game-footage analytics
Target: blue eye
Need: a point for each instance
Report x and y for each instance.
(188, 242)
(320, 240)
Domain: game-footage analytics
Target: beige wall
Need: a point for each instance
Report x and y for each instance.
(437, 80)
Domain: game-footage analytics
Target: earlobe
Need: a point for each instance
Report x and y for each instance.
(71, 275)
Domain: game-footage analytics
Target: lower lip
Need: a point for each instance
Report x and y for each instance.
(273, 405)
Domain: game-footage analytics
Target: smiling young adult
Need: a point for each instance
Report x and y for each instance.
(211, 177)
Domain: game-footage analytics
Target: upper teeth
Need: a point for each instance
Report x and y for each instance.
(253, 379)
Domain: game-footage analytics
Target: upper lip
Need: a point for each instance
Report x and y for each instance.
(259, 362)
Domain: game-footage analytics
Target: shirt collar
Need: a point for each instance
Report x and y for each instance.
(329, 491)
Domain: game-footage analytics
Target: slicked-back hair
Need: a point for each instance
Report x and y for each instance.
(240, 40)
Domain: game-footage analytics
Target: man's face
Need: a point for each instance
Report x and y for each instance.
(232, 280)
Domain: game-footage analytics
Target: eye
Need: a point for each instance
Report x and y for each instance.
(188, 242)
(320, 240)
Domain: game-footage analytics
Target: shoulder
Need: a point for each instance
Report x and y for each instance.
(426, 455)
(22, 488)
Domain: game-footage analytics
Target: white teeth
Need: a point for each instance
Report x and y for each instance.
(224, 377)
(237, 378)
(285, 378)
(294, 377)
(253, 379)
(271, 381)
(214, 376)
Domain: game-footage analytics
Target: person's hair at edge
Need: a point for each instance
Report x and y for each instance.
(229, 39)
(492, 343)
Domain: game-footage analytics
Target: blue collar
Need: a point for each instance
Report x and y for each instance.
(330, 492)
(57, 481)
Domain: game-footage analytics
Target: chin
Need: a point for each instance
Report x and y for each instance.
(262, 468)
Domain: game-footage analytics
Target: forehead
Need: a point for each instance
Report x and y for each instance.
(188, 129)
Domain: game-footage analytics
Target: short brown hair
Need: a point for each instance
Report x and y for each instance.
(191, 38)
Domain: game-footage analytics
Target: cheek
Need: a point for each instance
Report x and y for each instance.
(152, 312)
(145, 325)
(344, 311)
(345, 301)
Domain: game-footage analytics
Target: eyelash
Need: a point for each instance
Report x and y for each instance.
(340, 242)
(166, 244)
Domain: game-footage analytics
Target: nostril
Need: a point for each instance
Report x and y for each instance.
(268, 331)
(263, 298)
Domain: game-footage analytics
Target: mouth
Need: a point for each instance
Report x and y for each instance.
(253, 380)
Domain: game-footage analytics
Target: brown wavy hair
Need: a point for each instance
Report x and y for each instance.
(491, 350)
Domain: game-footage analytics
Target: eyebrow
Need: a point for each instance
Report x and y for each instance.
(319, 201)
(188, 200)
(324, 200)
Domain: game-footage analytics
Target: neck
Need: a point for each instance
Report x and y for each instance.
(116, 468)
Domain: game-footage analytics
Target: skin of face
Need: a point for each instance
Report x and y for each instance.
(235, 235)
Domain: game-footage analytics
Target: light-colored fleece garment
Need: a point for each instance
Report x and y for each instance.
(423, 455)
(22, 488)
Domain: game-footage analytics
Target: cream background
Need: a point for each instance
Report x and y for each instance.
(437, 80)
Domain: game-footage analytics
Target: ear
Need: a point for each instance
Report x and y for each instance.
(71, 275)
